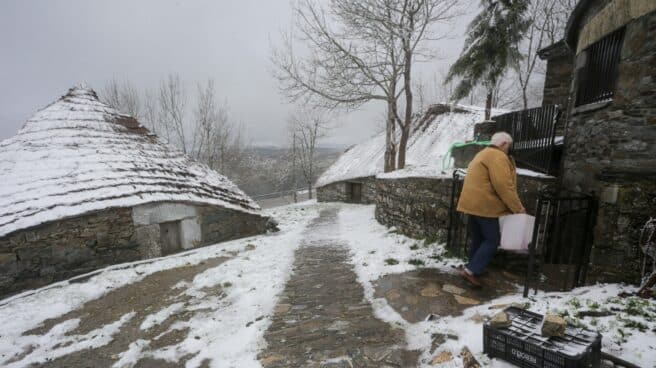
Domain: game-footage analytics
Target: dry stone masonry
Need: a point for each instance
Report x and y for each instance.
(416, 207)
(62, 249)
(419, 207)
(342, 191)
(611, 146)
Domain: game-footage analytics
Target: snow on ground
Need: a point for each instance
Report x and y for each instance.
(255, 278)
(629, 333)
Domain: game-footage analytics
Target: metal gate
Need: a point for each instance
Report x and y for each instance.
(457, 234)
(562, 234)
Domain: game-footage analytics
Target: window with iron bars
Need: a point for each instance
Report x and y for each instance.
(597, 79)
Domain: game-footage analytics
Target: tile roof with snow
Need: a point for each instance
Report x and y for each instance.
(432, 136)
(79, 155)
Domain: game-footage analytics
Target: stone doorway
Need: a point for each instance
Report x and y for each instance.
(170, 238)
(354, 191)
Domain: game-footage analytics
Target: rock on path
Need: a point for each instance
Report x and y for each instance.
(322, 319)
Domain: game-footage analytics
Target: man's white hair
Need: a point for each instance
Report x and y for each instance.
(499, 138)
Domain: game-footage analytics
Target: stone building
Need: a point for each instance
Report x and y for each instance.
(604, 71)
(352, 178)
(84, 186)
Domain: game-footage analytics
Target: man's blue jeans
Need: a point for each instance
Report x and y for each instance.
(485, 236)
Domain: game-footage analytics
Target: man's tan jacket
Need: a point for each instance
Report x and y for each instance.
(490, 187)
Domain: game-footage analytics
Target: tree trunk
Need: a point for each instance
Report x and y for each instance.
(309, 190)
(405, 129)
(294, 166)
(488, 105)
(390, 152)
(403, 144)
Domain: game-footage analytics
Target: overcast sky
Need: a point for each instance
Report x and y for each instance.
(47, 46)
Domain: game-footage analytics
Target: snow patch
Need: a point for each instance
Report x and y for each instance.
(431, 139)
(627, 334)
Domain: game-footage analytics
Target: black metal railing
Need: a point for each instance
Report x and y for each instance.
(457, 235)
(597, 79)
(534, 133)
(562, 236)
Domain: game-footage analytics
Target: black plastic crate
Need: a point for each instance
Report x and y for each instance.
(523, 345)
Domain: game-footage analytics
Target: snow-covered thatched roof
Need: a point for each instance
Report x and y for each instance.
(79, 155)
(433, 134)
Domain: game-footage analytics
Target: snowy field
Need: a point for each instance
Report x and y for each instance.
(256, 271)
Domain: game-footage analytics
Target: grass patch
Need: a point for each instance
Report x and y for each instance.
(635, 325)
(391, 261)
(227, 284)
(430, 240)
(637, 307)
(574, 302)
(416, 262)
(414, 247)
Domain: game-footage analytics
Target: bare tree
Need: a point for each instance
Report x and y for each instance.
(307, 127)
(547, 22)
(172, 101)
(414, 28)
(216, 141)
(111, 94)
(360, 51)
(123, 97)
(151, 114)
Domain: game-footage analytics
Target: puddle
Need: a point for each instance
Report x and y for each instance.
(417, 294)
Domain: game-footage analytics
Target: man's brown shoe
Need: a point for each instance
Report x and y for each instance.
(471, 278)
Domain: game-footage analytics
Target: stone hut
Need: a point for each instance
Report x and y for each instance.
(352, 178)
(604, 72)
(84, 186)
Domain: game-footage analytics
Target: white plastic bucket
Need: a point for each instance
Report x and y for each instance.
(516, 232)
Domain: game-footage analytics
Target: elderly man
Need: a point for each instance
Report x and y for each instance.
(489, 192)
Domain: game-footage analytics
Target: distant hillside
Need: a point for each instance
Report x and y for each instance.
(269, 169)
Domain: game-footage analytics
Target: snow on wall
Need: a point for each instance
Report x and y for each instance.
(79, 155)
(434, 133)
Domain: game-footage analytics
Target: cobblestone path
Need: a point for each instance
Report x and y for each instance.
(322, 319)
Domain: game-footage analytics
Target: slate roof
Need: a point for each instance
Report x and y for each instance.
(78, 155)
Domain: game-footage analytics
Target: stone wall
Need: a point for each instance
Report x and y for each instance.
(528, 188)
(419, 207)
(221, 224)
(624, 208)
(59, 250)
(611, 151)
(333, 192)
(558, 78)
(338, 191)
